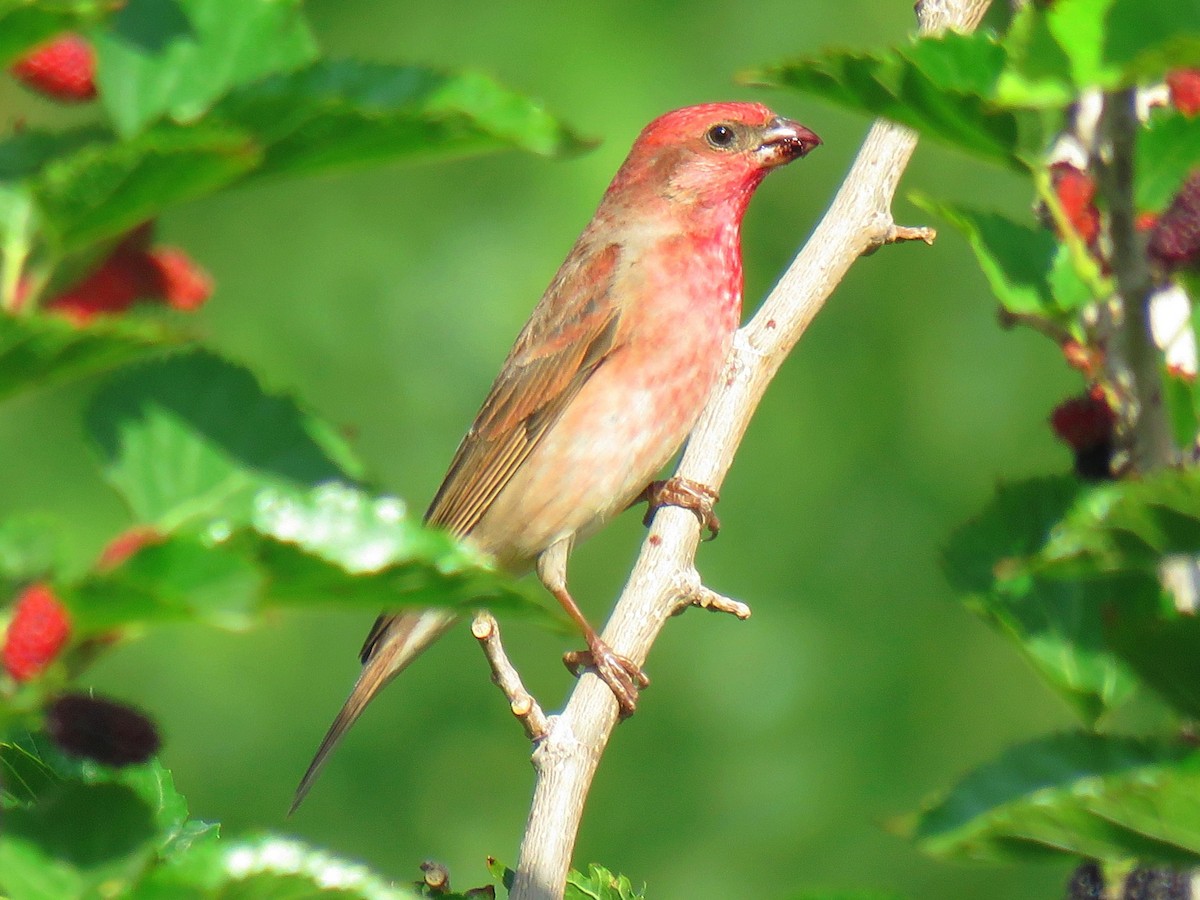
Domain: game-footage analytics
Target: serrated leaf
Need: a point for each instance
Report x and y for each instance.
(103, 189)
(1055, 621)
(1027, 269)
(264, 868)
(1168, 150)
(1096, 796)
(30, 548)
(194, 438)
(39, 351)
(75, 838)
(333, 546)
(347, 114)
(1160, 644)
(1056, 51)
(25, 152)
(26, 23)
(941, 86)
(177, 57)
(601, 884)
(1131, 525)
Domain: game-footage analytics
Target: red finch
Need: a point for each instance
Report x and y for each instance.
(607, 377)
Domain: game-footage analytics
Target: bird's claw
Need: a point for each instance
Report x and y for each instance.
(623, 676)
(685, 493)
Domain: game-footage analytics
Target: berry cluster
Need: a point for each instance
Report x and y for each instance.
(1088, 424)
(64, 69)
(135, 271)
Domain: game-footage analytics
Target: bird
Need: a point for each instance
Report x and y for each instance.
(605, 380)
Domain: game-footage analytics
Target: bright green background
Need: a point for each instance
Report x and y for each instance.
(769, 755)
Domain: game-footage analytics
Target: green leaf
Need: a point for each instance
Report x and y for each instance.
(1055, 621)
(103, 189)
(26, 23)
(1168, 150)
(24, 153)
(264, 868)
(25, 775)
(1131, 525)
(1160, 644)
(1089, 795)
(1030, 273)
(30, 548)
(333, 546)
(600, 884)
(38, 351)
(341, 115)
(194, 438)
(940, 86)
(1056, 51)
(177, 57)
(75, 838)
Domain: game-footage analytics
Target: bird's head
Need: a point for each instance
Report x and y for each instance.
(714, 154)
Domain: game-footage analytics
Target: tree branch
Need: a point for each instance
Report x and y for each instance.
(858, 221)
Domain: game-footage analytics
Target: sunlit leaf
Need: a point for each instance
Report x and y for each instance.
(1087, 795)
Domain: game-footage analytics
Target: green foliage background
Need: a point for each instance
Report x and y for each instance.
(768, 755)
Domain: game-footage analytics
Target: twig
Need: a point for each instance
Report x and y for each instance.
(1151, 444)
(504, 675)
(858, 220)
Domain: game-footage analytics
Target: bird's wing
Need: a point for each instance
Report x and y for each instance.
(571, 332)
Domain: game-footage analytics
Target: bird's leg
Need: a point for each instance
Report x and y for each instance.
(683, 492)
(623, 676)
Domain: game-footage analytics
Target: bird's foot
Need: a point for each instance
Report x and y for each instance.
(684, 492)
(623, 676)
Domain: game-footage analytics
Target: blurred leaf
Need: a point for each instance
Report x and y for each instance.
(176, 57)
(194, 437)
(103, 189)
(846, 895)
(1056, 622)
(75, 838)
(940, 86)
(1160, 644)
(346, 114)
(30, 548)
(38, 351)
(334, 546)
(27, 23)
(1168, 149)
(1090, 795)
(264, 868)
(600, 884)
(1131, 525)
(24, 774)
(26, 151)
(1027, 269)
(1056, 51)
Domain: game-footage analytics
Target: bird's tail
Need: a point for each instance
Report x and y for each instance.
(394, 642)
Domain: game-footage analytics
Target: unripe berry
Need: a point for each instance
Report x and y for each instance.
(1185, 90)
(1076, 191)
(39, 628)
(63, 69)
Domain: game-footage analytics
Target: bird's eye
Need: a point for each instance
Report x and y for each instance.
(720, 136)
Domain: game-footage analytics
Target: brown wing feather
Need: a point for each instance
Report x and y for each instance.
(567, 338)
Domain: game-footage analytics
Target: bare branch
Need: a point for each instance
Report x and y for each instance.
(504, 675)
(661, 582)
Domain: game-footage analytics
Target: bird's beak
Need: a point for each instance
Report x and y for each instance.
(784, 140)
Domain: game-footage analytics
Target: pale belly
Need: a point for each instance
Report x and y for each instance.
(617, 434)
